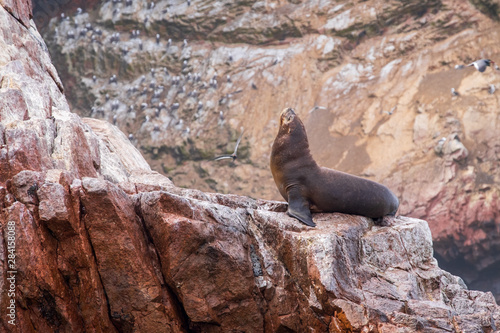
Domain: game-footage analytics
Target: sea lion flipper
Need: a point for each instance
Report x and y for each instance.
(298, 207)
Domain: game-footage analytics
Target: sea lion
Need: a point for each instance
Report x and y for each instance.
(307, 186)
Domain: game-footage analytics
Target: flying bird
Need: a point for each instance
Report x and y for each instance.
(233, 155)
(481, 64)
(316, 107)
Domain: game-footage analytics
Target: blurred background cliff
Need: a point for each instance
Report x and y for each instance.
(379, 86)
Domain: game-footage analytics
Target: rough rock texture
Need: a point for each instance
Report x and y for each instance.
(379, 71)
(104, 244)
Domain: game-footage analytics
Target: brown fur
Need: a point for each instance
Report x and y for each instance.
(321, 189)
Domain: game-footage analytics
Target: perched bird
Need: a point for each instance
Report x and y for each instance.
(439, 147)
(233, 155)
(492, 89)
(454, 92)
(459, 66)
(254, 86)
(481, 64)
(221, 118)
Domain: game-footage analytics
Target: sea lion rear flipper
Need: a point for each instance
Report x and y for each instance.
(298, 207)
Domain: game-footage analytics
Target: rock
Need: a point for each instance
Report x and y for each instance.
(20, 9)
(383, 74)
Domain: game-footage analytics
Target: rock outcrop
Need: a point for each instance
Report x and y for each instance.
(93, 240)
(371, 79)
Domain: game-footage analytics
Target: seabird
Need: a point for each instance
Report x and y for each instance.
(114, 105)
(454, 92)
(233, 155)
(492, 89)
(254, 86)
(157, 38)
(317, 108)
(439, 147)
(221, 118)
(481, 64)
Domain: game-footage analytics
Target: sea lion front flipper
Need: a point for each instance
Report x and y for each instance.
(298, 207)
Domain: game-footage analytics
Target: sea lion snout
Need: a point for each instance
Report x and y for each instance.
(287, 116)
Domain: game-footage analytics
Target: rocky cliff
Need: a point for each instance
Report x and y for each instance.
(371, 79)
(94, 241)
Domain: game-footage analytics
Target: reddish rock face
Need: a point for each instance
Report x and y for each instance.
(20, 9)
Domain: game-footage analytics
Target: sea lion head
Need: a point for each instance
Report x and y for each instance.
(291, 140)
(291, 123)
